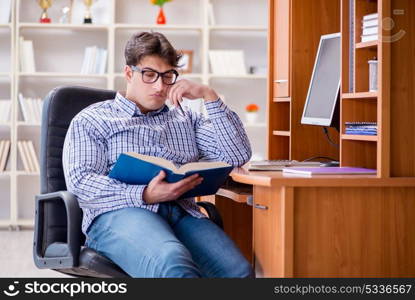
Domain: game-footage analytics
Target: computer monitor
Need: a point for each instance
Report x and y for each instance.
(321, 106)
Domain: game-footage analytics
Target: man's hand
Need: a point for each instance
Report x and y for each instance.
(160, 191)
(191, 90)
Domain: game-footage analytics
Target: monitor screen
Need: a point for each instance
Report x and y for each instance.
(324, 87)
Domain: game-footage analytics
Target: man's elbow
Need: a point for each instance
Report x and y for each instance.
(241, 159)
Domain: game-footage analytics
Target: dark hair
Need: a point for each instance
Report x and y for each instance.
(150, 43)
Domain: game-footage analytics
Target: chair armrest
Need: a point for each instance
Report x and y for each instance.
(73, 237)
(212, 212)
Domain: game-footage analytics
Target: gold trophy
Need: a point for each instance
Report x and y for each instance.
(88, 15)
(44, 4)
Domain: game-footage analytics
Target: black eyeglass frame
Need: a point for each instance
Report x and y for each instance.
(142, 71)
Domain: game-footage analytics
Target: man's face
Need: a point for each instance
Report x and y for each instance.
(147, 96)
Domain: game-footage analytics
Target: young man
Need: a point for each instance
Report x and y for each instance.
(149, 230)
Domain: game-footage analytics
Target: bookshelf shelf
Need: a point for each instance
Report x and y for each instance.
(24, 173)
(62, 26)
(158, 27)
(363, 45)
(4, 74)
(25, 124)
(5, 174)
(367, 95)
(281, 133)
(282, 100)
(57, 74)
(352, 137)
(257, 125)
(6, 26)
(247, 76)
(238, 28)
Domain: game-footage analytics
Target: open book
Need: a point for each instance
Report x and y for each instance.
(134, 168)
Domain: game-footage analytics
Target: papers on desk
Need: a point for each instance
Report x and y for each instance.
(279, 165)
(329, 171)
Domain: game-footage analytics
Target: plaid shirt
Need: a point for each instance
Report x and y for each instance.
(104, 130)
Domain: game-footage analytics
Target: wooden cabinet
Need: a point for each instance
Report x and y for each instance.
(281, 79)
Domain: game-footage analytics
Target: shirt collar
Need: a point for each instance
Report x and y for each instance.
(132, 109)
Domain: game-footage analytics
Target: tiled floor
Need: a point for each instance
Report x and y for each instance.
(16, 256)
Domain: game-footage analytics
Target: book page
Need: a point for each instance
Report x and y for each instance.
(201, 166)
(155, 160)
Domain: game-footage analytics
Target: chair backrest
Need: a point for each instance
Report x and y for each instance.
(59, 108)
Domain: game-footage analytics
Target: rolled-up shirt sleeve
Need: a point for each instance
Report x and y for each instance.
(85, 165)
(221, 136)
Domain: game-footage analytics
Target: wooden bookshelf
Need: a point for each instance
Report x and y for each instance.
(294, 32)
(294, 35)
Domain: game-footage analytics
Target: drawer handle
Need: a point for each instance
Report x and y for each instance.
(281, 81)
(261, 206)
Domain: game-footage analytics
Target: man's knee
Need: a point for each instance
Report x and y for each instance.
(174, 260)
(241, 270)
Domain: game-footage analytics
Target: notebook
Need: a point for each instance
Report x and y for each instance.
(329, 171)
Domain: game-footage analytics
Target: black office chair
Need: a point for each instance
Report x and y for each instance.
(58, 239)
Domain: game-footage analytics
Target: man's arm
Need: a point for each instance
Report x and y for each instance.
(85, 165)
(222, 137)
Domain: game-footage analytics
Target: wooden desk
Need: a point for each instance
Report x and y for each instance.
(328, 226)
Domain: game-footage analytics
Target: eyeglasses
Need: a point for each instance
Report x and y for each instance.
(150, 76)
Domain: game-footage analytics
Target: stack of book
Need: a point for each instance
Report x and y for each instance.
(28, 156)
(5, 111)
(95, 60)
(370, 28)
(227, 62)
(361, 128)
(27, 56)
(5, 9)
(4, 154)
(31, 109)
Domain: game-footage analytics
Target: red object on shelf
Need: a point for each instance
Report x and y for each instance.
(161, 18)
(45, 20)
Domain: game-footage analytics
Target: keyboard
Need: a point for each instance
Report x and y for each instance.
(278, 165)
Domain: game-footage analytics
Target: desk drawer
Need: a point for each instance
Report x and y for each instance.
(272, 231)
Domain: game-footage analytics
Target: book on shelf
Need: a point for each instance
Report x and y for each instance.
(370, 23)
(23, 156)
(361, 128)
(95, 60)
(370, 31)
(211, 14)
(329, 171)
(5, 106)
(5, 10)
(369, 38)
(368, 17)
(27, 56)
(370, 28)
(134, 168)
(32, 154)
(28, 156)
(227, 62)
(4, 154)
(31, 109)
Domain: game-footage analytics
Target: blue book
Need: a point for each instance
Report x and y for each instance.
(139, 169)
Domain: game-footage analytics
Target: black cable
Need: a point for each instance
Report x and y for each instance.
(326, 132)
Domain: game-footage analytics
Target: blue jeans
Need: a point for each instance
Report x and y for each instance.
(169, 243)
